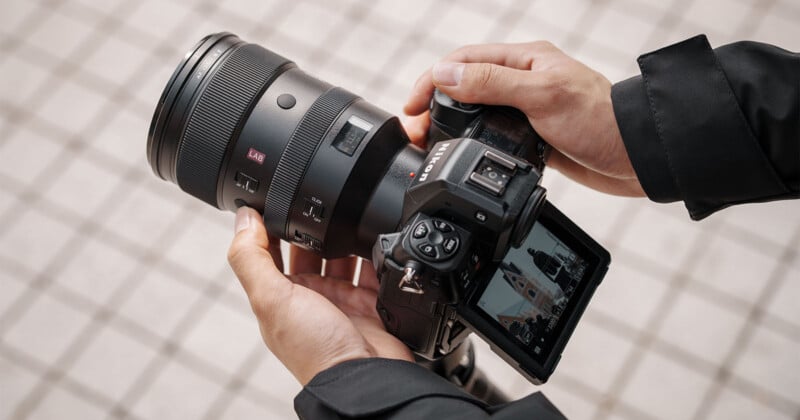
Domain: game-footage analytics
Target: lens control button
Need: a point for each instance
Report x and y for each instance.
(450, 245)
(427, 250)
(442, 226)
(420, 230)
(286, 101)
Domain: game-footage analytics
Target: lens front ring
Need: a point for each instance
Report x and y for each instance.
(203, 108)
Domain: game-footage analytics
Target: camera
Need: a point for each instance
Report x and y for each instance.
(461, 235)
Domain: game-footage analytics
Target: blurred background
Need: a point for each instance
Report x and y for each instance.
(115, 297)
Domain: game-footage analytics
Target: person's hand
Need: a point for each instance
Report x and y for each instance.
(310, 322)
(567, 103)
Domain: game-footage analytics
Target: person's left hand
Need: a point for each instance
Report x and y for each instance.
(309, 321)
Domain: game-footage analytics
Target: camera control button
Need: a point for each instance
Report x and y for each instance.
(442, 226)
(450, 245)
(420, 230)
(427, 250)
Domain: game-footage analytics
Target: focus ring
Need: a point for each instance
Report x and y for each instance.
(299, 151)
(218, 113)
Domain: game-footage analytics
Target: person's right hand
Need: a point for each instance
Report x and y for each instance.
(567, 103)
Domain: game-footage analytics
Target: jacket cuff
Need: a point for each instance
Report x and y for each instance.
(367, 387)
(638, 128)
(681, 120)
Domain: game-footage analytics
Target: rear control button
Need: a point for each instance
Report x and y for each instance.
(450, 245)
(442, 226)
(420, 230)
(427, 250)
(480, 216)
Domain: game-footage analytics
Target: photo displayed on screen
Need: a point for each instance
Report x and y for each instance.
(531, 288)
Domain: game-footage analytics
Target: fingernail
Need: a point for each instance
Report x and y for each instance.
(448, 74)
(243, 217)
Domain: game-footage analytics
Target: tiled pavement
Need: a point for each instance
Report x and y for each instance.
(116, 300)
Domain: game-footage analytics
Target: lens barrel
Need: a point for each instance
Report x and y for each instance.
(203, 106)
(240, 125)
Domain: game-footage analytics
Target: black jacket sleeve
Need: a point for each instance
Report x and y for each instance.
(394, 389)
(713, 127)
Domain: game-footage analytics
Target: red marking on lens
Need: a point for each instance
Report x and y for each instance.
(412, 174)
(256, 156)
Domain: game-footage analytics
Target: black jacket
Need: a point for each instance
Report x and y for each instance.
(710, 127)
(713, 127)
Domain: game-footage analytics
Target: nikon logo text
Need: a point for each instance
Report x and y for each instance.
(435, 158)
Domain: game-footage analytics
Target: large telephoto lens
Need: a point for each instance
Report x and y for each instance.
(240, 125)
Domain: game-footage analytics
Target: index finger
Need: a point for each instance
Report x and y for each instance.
(519, 56)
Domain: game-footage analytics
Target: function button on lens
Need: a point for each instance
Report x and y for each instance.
(286, 101)
(420, 230)
(450, 245)
(427, 250)
(442, 226)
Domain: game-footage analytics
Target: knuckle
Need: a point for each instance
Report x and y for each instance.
(463, 51)
(528, 58)
(486, 75)
(543, 45)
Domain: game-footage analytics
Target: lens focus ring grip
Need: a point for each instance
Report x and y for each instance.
(298, 153)
(221, 107)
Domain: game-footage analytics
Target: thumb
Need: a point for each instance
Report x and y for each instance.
(251, 260)
(482, 83)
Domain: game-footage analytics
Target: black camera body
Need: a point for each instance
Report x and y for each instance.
(476, 247)
(469, 204)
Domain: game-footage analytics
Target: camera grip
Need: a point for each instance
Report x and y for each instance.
(501, 127)
(404, 317)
